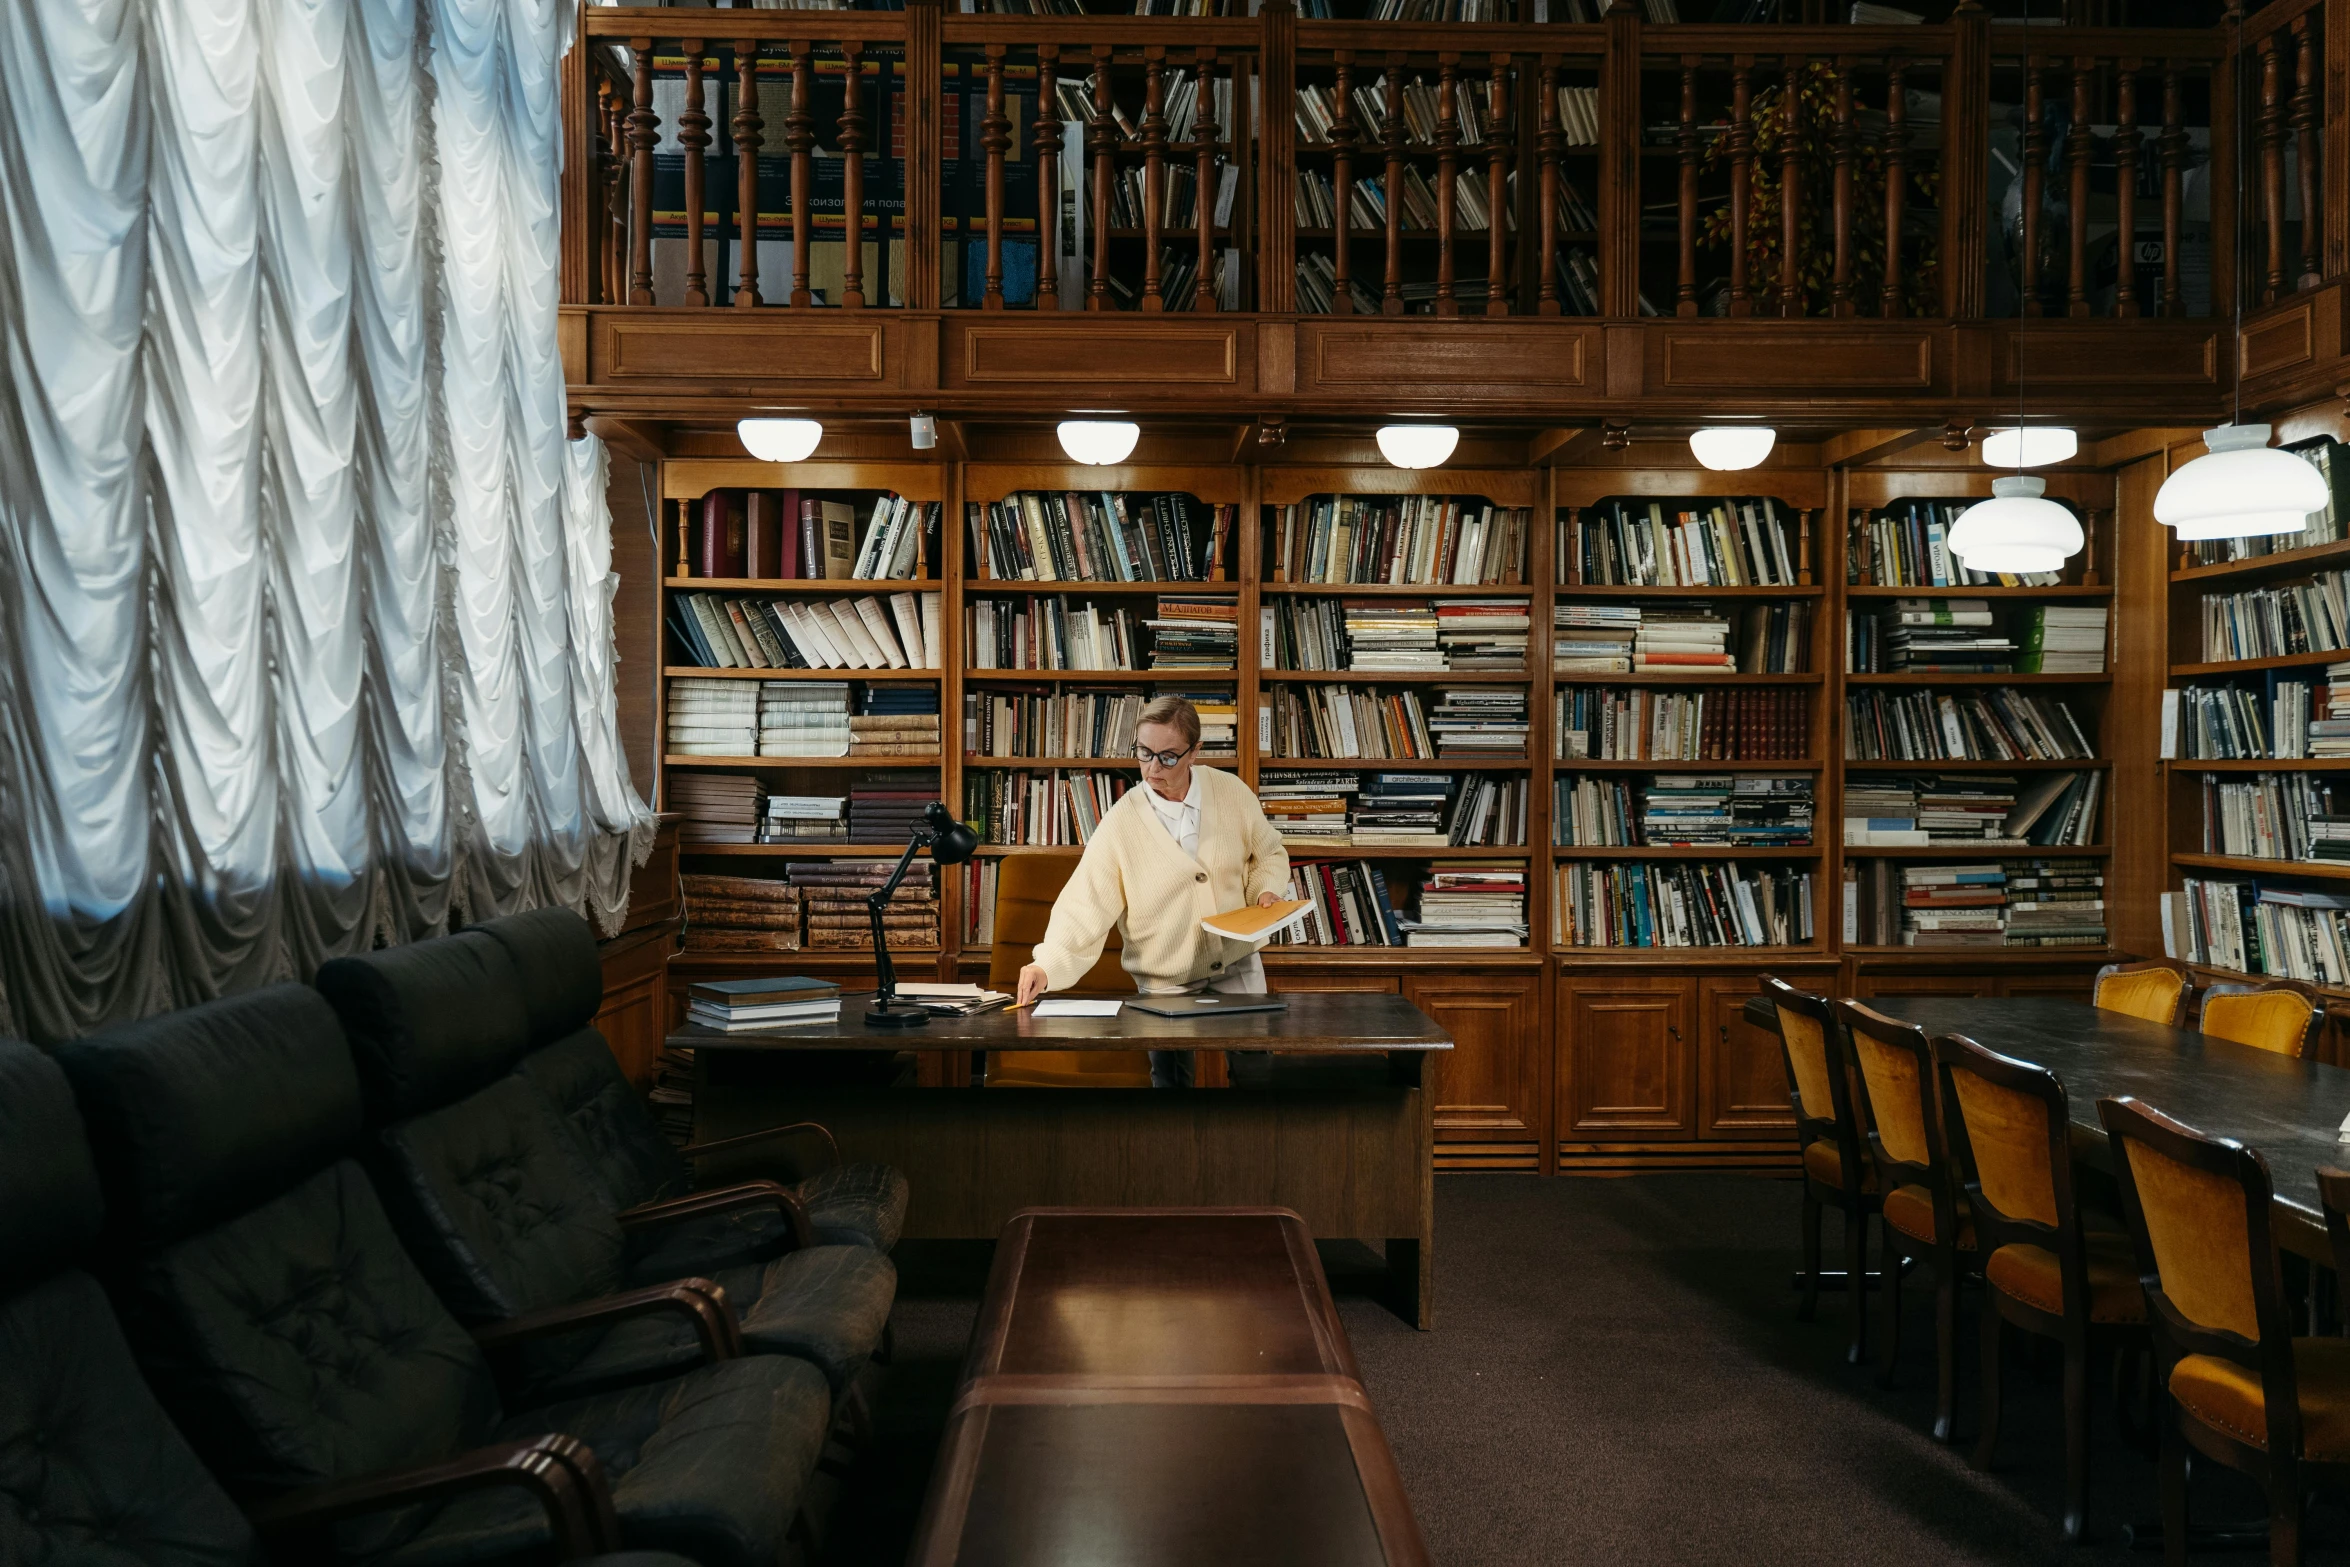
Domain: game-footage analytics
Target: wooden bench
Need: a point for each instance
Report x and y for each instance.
(1162, 1385)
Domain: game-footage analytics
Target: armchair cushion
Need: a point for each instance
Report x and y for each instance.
(50, 1209)
(2222, 1394)
(554, 954)
(623, 1142)
(849, 1205)
(429, 1022)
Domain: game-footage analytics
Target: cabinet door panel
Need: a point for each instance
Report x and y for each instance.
(1628, 1059)
(1348, 984)
(1489, 1086)
(1741, 1069)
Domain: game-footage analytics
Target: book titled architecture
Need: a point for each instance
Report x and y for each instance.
(1256, 922)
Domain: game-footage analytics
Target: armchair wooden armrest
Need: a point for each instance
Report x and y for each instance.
(561, 1472)
(702, 1301)
(767, 1134)
(726, 1199)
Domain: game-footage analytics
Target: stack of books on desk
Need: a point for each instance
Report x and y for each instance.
(757, 1006)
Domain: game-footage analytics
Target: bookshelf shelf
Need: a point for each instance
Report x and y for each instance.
(1375, 677)
(1863, 590)
(1651, 677)
(2290, 764)
(1577, 764)
(1381, 764)
(2207, 972)
(1945, 957)
(1908, 678)
(696, 672)
(1038, 763)
(840, 762)
(1390, 590)
(803, 584)
(1076, 677)
(2247, 666)
(2079, 764)
(1674, 957)
(1567, 851)
(2285, 563)
(1403, 851)
(987, 585)
(2259, 867)
(1974, 851)
(1567, 592)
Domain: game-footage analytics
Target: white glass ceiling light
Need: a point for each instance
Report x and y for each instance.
(2032, 446)
(1099, 442)
(1726, 448)
(1417, 445)
(2019, 529)
(780, 440)
(2240, 487)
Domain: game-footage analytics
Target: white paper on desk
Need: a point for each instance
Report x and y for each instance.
(1070, 1006)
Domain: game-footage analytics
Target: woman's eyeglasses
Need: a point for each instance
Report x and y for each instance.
(1143, 753)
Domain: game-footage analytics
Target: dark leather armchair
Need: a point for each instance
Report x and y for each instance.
(846, 1204)
(302, 1351)
(500, 1204)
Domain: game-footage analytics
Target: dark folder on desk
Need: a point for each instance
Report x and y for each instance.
(1205, 1006)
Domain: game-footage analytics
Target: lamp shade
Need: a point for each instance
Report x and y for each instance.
(780, 440)
(1726, 448)
(2019, 529)
(2240, 487)
(1099, 442)
(955, 842)
(2029, 446)
(1417, 445)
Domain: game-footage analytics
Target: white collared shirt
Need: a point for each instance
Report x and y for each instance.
(1179, 817)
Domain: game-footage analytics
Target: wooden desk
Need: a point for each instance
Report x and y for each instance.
(2289, 1110)
(1343, 1133)
(1162, 1386)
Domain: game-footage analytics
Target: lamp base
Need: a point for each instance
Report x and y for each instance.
(896, 1017)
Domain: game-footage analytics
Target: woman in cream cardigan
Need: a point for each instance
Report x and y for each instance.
(1190, 843)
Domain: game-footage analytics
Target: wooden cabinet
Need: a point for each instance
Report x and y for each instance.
(1627, 1057)
(1741, 1069)
(635, 1015)
(1489, 1087)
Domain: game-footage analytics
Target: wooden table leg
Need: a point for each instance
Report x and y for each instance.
(1411, 1280)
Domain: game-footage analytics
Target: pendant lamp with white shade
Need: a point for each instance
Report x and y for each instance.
(1417, 445)
(1098, 443)
(2240, 487)
(780, 440)
(2030, 446)
(1731, 448)
(2018, 530)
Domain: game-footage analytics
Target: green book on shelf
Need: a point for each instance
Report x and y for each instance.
(2033, 642)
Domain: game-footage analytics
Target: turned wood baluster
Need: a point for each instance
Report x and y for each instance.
(1889, 298)
(1154, 171)
(2174, 166)
(995, 139)
(644, 132)
(2269, 129)
(1204, 133)
(1048, 176)
(1840, 283)
(1791, 192)
(1101, 145)
(1391, 187)
(2079, 148)
(1742, 288)
(1570, 562)
(1342, 183)
(615, 232)
(747, 142)
(1448, 136)
(693, 134)
(852, 176)
(1685, 297)
(1497, 188)
(1549, 145)
(799, 136)
(2126, 141)
(2305, 118)
(2035, 161)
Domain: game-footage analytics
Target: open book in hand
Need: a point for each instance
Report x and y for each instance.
(1255, 921)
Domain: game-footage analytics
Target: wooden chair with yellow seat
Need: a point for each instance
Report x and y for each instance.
(2154, 991)
(1026, 885)
(1924, 1213)
(1837, 1172)
(2244, 1392)
(2044, 1271)
(2280, 1016)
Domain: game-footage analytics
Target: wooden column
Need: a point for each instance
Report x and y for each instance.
(1101, 147)
(2173, 146)
(1154, 171)
(2035, 163)
(1391, 185)
(1840, 283)
(995, 141)
(612, 254)
(693, 134)
(1741, 184)
(2079, 148)
(852, 176)
(2269, 132)
(644, 133)
(1342, 182)
(1276, 142)
(799, 135)
(1619, 163)
(1685, 291)
(1964, 198)
(923, 171)
(1048, 177)
(1549, 143)
(1497, 187)
(1204, 134)
(581, 230)
(1791, 301)
(1448, 140)
(747, 142)
(2126, 141)
(1890, 302)
(2305, 148)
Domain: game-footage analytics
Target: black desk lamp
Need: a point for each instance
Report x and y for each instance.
(949, 843)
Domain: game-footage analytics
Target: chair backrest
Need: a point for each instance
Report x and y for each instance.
(265, 1292)
(1898, 1108)
(1025, 887)
(609, 1119)
(1818, 1084)
(100, 1458)
(2008, 1130)
(2280, 1016)
(2154, 991)
(2197, 1209)
(429, 1022)
(555, 958)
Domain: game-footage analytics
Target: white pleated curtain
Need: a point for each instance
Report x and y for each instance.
(305, 600)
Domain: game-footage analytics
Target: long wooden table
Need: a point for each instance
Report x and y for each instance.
(1162, 1388)
(2289, 1110)
(1342, 1131)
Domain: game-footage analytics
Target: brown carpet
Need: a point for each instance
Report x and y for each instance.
(1617, 1376)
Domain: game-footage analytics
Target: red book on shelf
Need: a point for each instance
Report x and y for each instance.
(763, 533)
(787, 527)
(722, 548)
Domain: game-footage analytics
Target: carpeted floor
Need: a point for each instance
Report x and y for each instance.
(1617, 1376)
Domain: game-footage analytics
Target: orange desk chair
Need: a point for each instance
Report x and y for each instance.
(2280, 1016)
(1837, 1170)
(2154, 991)
(1026, 885)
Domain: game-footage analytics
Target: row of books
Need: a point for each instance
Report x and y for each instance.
(1040, 809)
(1178, 197)
(1096, 723)
(1638, 723)
(1393, 635)
(2052, 809)
(815, 904)
(1682, 639)
(1399, 540)
(1463, 904)
(1313, 723)
(1683, 904)
(1349, 906)
(1329, 810)
(2256, 927)
(1962, 637)
(2276, 622)
(2325, 525)
(1317, 287)
(1099, 536)
(1739, 542)
(1314, 202)
(736, 808)
(1909, 546)
(1418, 101)
(2278, 723)
(2275, 816)
(738, 631)
(1682, 811)
(2002, 724)
(757, 718)
(787, 535)
(2014, 903)
(1179, 99)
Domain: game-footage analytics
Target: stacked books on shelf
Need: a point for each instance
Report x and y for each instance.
(1683, 810)
(1465, 904)
(1100, 536)
(1692, 641)
(1934, 636)
(897, 718)
(1399, 540)
(1679, 544)
(886, 804)
(1683, 904)
(2056, 809)
(2277, 622)
(836, 894)
(717, 807)
(761, 718)
(2232, 724)
(1953, 906)
(740, 914)
(1681, 639)
(2004, 724)
(1908, 546)
(2062, 639)
(739, 631)
(1039, 809)
(1310, 810)
(1195, 633)
(1593, 638)
(1479, 722)
(1401, 808)
(672, 1093)
(1051, 633)
(2330, 736)
(1013, 723)
(1350, 906)
(1393, 635)
(760, 1006)
(1636, 723)
(2257, 928)
(2015, 903)
(2275, 816)
(805, 818)
(785, 535)
(2325, 525)
(1317, 277)
(2055, 903)
(803, 718)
